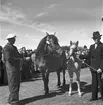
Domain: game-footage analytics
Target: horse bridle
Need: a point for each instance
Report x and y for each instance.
(54, 49)
(72, 54)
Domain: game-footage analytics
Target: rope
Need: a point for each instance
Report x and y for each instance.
(87, 64)
(84, 63)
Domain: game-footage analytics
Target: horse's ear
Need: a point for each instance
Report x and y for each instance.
(54, 33)
(77, 43)
(47, 33)
(70, 42)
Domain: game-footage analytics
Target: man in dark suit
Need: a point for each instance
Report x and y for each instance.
(95, 57)
(12, 62)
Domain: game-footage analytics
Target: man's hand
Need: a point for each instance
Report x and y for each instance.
(99, 71)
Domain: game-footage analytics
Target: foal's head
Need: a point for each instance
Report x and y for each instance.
(73, 48)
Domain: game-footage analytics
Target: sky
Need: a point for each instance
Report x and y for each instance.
(72, 20)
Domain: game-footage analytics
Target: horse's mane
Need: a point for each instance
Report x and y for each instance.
(41, 45)
(55, 39)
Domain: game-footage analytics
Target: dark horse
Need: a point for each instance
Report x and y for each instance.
(50, 57)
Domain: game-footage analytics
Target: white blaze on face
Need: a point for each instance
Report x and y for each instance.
(71, 49)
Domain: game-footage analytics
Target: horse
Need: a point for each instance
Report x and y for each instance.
(74, 66)
(50, 57)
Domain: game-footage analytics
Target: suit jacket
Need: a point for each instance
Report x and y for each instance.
(95, 56)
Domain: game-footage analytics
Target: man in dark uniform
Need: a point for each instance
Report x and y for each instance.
(12, 62)
(95, 60)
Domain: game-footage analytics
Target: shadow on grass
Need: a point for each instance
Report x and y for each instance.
(35, 98)
(61, 90)
(85, 88)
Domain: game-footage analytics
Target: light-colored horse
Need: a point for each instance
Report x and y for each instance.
(74, 66)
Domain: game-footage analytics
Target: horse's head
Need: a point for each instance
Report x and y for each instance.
(52, 39)
(53, 42)
(73, 48)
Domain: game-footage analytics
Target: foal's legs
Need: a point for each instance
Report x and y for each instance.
(71, 81)
(78, 82)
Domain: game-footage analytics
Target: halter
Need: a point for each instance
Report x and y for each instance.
(73, 54)
(53, 49)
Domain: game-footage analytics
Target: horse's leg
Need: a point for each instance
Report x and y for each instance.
(47, 81)
(71, 81)
(63, 77)
(58, 75)
(78, 82)
(45, 76)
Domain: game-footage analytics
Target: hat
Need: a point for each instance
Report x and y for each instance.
(96, 35)
(11, 36)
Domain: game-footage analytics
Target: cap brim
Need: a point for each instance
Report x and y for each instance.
(11, 37)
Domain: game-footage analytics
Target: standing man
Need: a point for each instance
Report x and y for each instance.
(95, 57)
(12, 62)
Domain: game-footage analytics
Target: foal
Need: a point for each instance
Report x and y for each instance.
(74, 66)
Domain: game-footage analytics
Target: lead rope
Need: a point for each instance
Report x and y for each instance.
(87, 64)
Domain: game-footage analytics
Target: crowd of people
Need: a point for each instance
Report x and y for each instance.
(12, 58)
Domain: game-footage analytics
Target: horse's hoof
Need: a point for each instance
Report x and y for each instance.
(46, 93)
(80, 95)
(69, 94)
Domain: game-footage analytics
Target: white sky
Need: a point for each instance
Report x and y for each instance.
(70, 19)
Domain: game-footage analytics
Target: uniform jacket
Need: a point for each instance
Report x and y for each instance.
(95, 56)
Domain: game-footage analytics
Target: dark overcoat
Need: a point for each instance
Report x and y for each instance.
(96, 61)
(96, 56)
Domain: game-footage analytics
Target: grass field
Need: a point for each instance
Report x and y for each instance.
(31, 92)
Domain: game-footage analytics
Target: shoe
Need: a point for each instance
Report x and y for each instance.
(93, 99)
